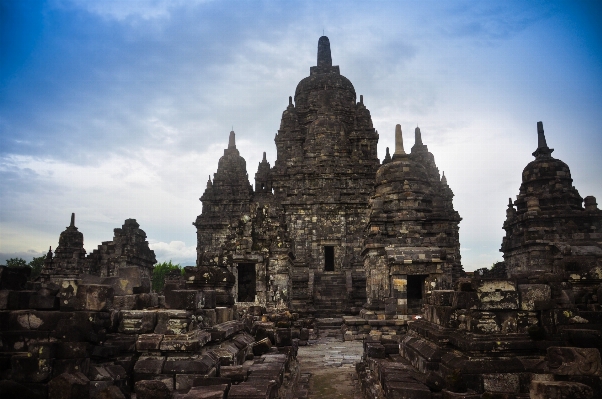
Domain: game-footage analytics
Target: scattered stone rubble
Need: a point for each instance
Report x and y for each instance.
(332, 243)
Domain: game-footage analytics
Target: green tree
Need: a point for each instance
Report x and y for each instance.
(37, 264)
(16, 262)
(159, 272)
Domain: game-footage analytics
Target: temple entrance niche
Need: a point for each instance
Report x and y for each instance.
(415, 292)
(247, 287)
(329, 258)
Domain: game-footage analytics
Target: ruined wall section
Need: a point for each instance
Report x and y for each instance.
(129, 249)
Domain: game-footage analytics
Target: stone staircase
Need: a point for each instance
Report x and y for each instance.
(331, 298)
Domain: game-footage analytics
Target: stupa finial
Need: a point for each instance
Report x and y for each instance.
(398, 141)
(542, 150)
(72, 220)
(417, 136)
(324, 57)
(231, 140)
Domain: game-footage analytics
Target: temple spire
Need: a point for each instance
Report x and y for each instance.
(72, 220)
(264, 157)
(324, 57)
(398, 141)
(231, 141)
(387, 157)
(541, 137)
(443, 178)
(542, 150)
(417, 136)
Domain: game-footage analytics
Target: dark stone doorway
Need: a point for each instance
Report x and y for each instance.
(329, 258)
(415, 292)
(246, 282)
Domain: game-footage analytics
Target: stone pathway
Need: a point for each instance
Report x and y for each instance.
(327, 369)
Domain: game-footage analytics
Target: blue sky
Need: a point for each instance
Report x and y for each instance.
(121, 109)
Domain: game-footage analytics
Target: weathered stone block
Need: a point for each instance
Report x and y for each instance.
(254, 390)
(493, 285)
(223, 314)
(98, 297)
(137, 283)
(502, 382)
(206, 317)
(69, 386)
(560, 389)
(19, 299)
(262, 346)
(149, 365)
(152, 389)
(574, 361)
(236, 374)
(407, 390)
(14, 278)
(184, 299)
(172, 321)
(70, 366)
(217, 391)
(189, 342)
(137, 321)
(188, 364)
(483, 322)
(208, 298)
(465, 300)
(498, 300)
(41, 302)
(72, 350)
(148, 342)
(442, 297)
(27, 368)
(375, 350)
(534, 296)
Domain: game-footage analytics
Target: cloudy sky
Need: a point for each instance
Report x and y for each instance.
(121, 109)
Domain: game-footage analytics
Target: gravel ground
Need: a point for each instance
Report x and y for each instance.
(330, 365)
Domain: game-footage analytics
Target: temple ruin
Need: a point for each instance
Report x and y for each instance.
(329, 242)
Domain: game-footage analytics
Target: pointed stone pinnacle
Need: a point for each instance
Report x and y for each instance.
(231, 140)
(398, 141)
(542, 150)
(417, 136)
(541, 137)
(443, 178)
(72, 220)
(324, 57)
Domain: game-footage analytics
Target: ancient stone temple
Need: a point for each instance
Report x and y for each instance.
(548, 230)
(298, 239)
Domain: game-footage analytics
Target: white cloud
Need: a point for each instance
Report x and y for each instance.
(121, 10)
(176, 251)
